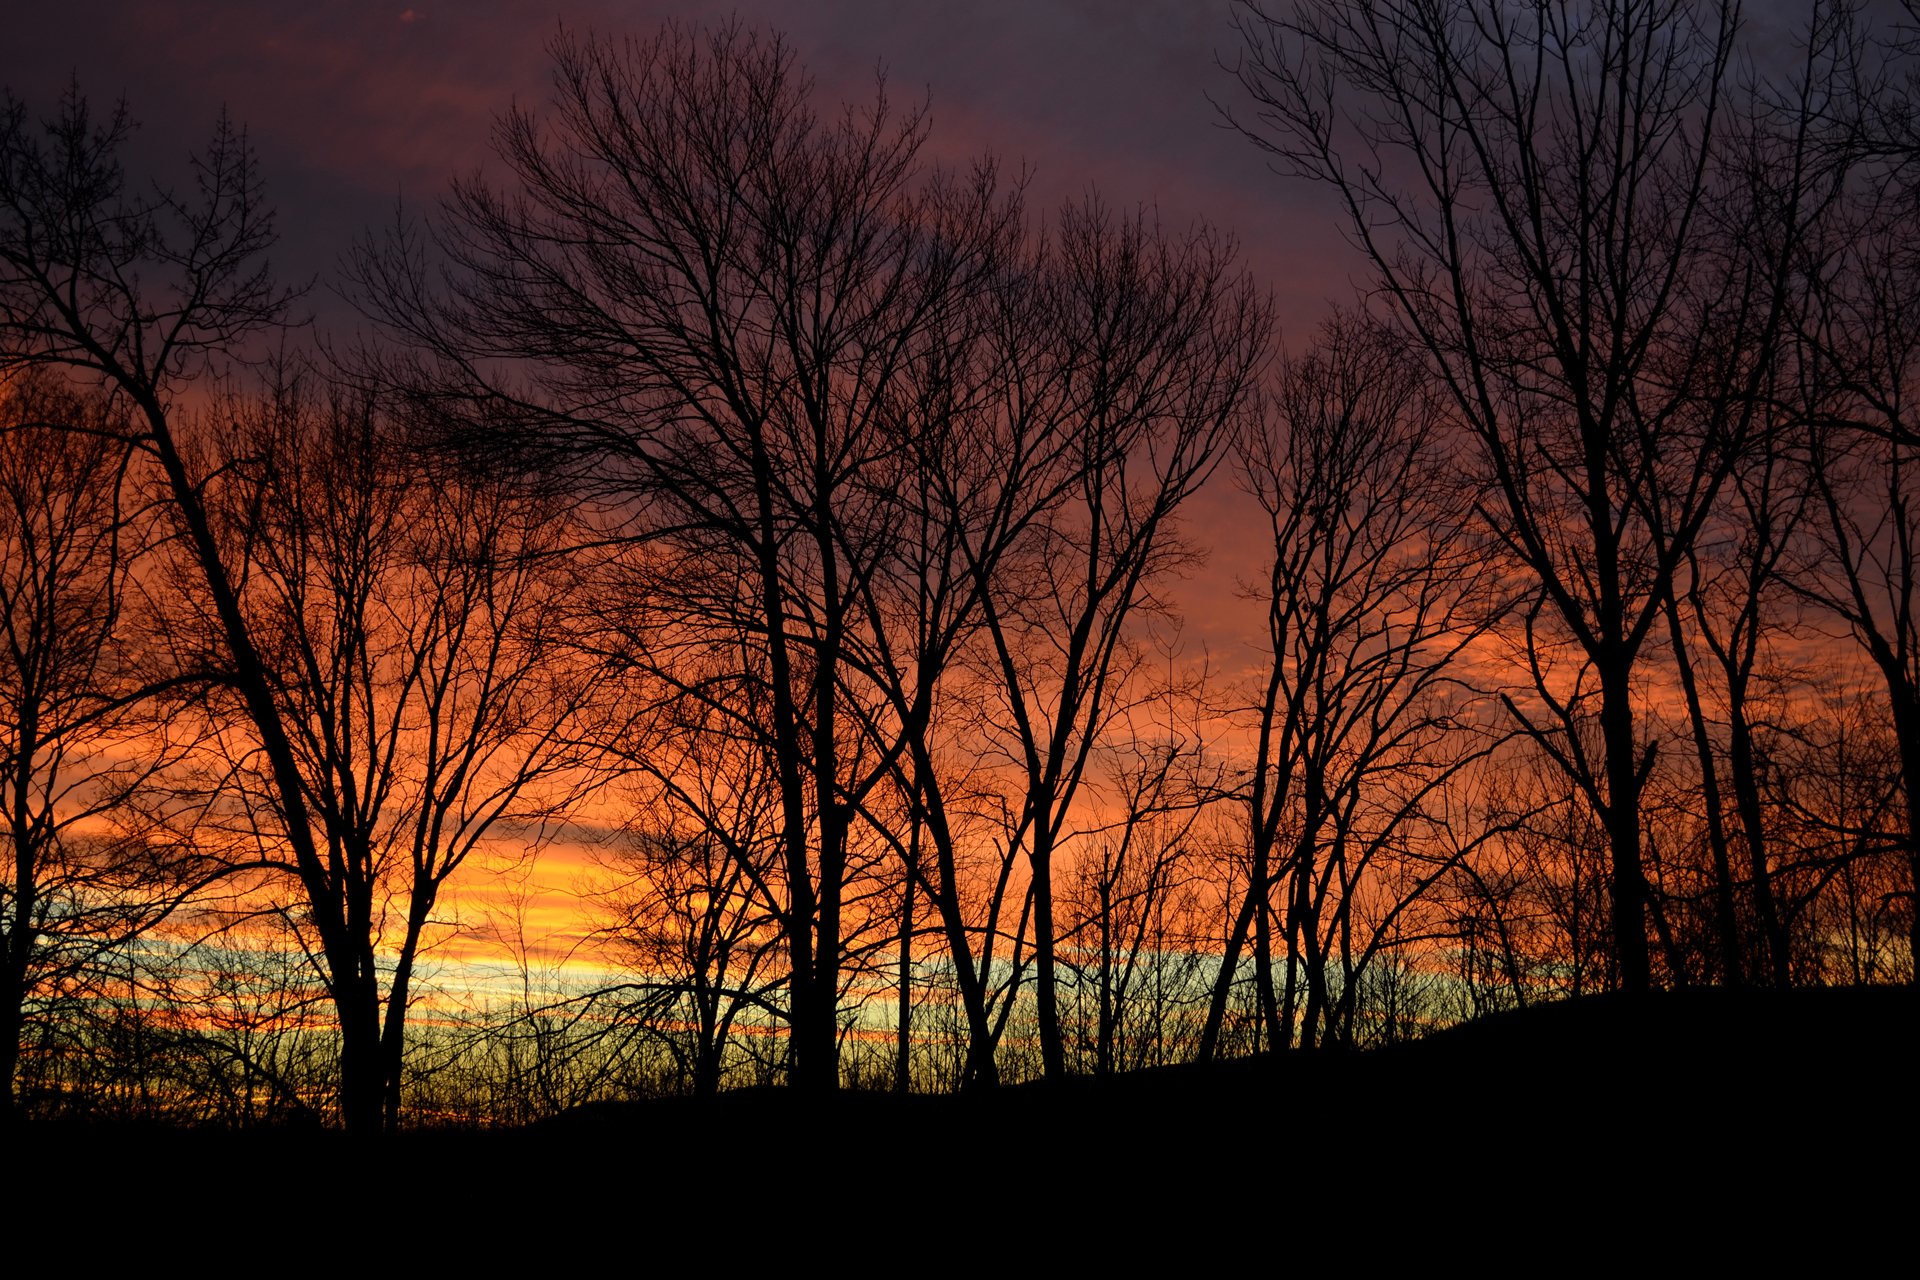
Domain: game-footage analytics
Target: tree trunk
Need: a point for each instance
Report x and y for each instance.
(1627, 887)
(362, 1063)
(1732, 968)
(19, 947)
(1906, 720)
(1263, 992)
(1103, 1047)
(903, 1026)
(1229, 964)
(393, 1037)
(12, 1027)
(981, 1069)
(1746, 795)
(1053, 1054)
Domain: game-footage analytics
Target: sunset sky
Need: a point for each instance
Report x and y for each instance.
(659, 586)
(356, 106)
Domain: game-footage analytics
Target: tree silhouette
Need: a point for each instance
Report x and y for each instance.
(84, 724)
(709, 300)
(1542, 191)
(1161, 343)
(1862, 456)
(729, 486)
(149, 292)
(694, 895)
(1360, 721)
(414, 634)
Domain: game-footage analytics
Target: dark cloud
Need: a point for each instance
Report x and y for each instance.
(354, 105)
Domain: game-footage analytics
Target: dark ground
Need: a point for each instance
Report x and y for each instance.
(1683, 1132)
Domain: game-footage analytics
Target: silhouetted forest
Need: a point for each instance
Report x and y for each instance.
(786, 533)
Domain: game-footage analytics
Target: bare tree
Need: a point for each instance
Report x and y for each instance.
(726, 306)
(1161, 345)
(694, 887)
(1532, 185)
(413, 628)
(82, 727)
(150, 291)
(1863, 461)
(1360, 720)
(988, 454)
(1734, 582)
(1835, 796)
(1133, 939)
(1065, 411)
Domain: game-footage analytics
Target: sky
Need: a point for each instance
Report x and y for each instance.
(354, 105)
(357, 107)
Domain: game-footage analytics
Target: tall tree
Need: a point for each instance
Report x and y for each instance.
(1730, 585)
(83, 731)
(413, 628)
(702, 300)
(988, 455)
(1372, 590)
(1863, 462)
(1161, 346)
(1532, 184)
(150, 290)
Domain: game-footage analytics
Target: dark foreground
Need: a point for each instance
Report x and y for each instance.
(1687, 1129)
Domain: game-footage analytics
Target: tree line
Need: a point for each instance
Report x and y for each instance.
(797, 523)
